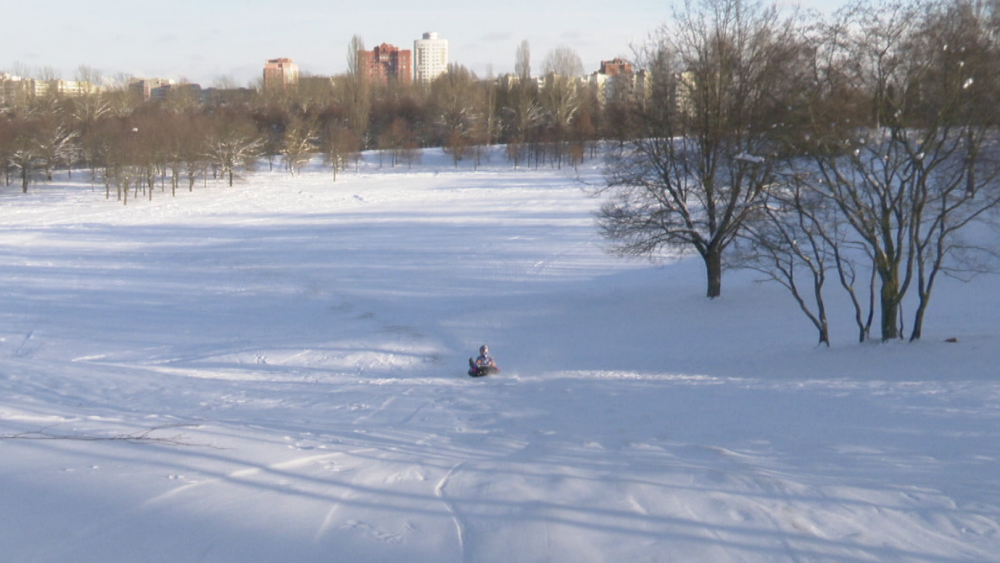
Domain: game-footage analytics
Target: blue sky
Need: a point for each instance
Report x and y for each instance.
(207, 39)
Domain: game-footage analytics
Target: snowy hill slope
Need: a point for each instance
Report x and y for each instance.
(275, 371)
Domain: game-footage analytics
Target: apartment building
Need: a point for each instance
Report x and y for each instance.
(280, 74)
(143, 88)
(615, 67)
(430, 57)
(386, 63)
(616, 79)
(14, 88)
(191, 91)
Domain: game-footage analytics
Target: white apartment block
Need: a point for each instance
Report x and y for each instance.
(13, 88)
(430, 57)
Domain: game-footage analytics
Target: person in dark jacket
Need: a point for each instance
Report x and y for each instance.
(484, 364)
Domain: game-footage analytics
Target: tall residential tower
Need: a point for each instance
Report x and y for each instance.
(387, 63)
(280, 74)
(430, 57)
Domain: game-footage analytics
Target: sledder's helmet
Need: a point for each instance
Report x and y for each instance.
(483, 349)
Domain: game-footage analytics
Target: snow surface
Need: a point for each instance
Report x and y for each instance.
(276, 372)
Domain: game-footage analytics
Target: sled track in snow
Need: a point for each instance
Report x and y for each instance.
(455, 516)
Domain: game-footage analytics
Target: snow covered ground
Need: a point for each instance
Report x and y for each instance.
(276, 372)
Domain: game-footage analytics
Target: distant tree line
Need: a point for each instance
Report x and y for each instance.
(853, 151)
(132, 146)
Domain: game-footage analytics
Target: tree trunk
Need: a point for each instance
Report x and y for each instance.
(890, 306)
(918, 324)
(823, 324)
(713, 267)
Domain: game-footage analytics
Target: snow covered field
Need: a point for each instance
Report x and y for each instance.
(276, 372)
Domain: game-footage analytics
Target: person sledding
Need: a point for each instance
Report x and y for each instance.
(484, 364)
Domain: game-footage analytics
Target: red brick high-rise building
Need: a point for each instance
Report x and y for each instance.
(280, 74)
(387, 63)
(616, 67)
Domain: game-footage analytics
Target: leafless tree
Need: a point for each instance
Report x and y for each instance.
(47, 74)
(55, 137)
(232, 144)
(89, 74)
(176, 136)
(396, 140)
(6, 147)
(522, 61)
(355, 89)
(145, 134)
(700, 164)
(121, 101)
(563, 61)
(85, 112)
(182, 99)
(301, 134)
(195, 129)
(25, 152)
(339, 143)
(456, 109)
(490, 107)
(799, 241)
(520, 114)
(914, 161)
(560, 97)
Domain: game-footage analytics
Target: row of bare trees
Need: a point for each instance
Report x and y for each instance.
(858, 149)
(125, 152)
(128, 144)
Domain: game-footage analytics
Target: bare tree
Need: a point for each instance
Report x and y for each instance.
(560, 99)
(958, 159)
(47, 74)
(797, 240)
(301, 134)
(232, 143)
(456, 109)
(521, 113)
(26, 152)
(98, 142)
(339, 143)
(355, 94)
(85, 112)
(563, 61)
(522, 61)
(89, 74)
(6, 147)
(122, 102)
(56, 139)
(177, 135)
(700, 163)
(913, 162)
(396, 139)
(146, 134)
(490, 107)
(560, 96)
(195, 130)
